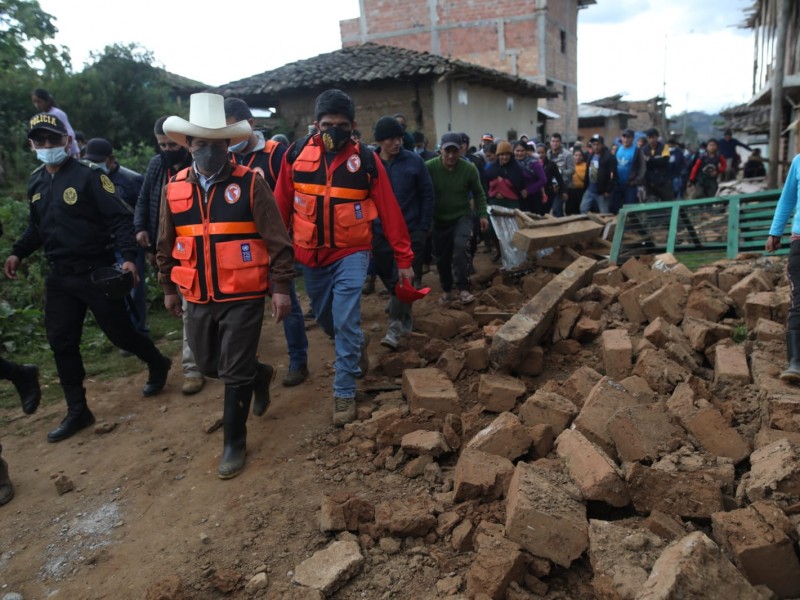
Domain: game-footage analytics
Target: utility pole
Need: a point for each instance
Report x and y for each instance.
(776, 104)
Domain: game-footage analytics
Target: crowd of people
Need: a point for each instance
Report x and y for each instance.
(229, 218)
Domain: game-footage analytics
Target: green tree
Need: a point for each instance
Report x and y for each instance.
(27, 58)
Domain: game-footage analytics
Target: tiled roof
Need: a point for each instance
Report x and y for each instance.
(374, 63)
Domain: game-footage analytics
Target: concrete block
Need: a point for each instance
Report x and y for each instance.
(761, 549)
(707, 424)
(543, 517)
(430, 389)
(481, 475)
(643, 433)
(667, 302)
(605, 399)
(505, 436)
(527, 327)
(617, 350)
(595, 474)
(694, 567)
(499, 393)
(329, 569)
(548, 408)
(730, 365)
(690, 495)
(775, 473)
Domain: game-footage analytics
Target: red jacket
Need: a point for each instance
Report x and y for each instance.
(381, 194)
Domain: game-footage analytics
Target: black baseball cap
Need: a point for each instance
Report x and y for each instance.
(597, 138)
(628, 133)
(451, 139)
(98, 150)
(45, 122)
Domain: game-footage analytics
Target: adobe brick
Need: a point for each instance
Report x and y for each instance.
(694, 567)
(406, 517)
(578, 385)
(540, 509)
(665, 261)
(394, 363)
(685, 460)
(658, 332)
(708, 302)
(631, 299)
(444, 323)
(668, 302)
(761, 549)
(392, 434)
(431, 389)
(543, 438)
(548, 408)
(767, 330)
(344, 511)
(617, 350)
(757, 281)
(451, 363)
(759, 306)
(505, 436)
(462, 536)
(568, 314)
(775, 473)
(532, 362)
(730, 365)
(595, 474)
(496, 563)
(424, 443)
(611, 275)
(586, 329)
(707, 424)
(683, 273)
(699, 332)
(481, 475)
(637, 271)
(663, 525)
(732, 275)
(690, 495)
(476, 355)
(661, 373)
(640, 389)
(643, 433)
(499, 393)
(709, 274)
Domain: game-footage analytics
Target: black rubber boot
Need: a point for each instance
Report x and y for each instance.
(6, 489)
(265, 374)
(26, 379)
(78, 415)
(234, 428)
(157, 375)
(792, 372)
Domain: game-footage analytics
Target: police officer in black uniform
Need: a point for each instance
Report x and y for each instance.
(77, 217)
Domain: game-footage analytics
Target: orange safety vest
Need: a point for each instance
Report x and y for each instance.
(331, 210)
(222, 256)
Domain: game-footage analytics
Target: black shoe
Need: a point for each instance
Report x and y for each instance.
(71, 425)
(6, 489)
(295, 376)
(265, 374)
(234, 430)
(308, 315)
(27, 383)
(157, 377)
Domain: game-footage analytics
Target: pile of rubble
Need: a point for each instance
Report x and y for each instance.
(659, 458)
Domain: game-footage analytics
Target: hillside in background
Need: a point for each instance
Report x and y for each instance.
(695, 126)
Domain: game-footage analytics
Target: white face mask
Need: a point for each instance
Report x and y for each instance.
(52, 156)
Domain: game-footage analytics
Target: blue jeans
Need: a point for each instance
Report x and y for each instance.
(591, 199)
(335, 292)
(294, 328)
(621, 195)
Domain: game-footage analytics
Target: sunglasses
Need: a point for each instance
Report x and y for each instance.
(54, 139)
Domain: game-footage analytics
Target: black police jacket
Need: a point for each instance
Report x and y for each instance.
(78, 218)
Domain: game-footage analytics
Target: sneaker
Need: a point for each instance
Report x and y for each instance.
(295, 376)
(363, 362)
(445, 298)
(192, 384)
(390, 340)
(344, 411)
(465, 297)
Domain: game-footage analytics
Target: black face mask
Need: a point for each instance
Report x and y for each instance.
(175, 157)
(335, 138)
(211, 158)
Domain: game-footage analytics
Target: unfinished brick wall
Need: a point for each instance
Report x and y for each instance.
(499, 34)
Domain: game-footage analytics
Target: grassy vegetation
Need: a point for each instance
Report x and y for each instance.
(695, 260)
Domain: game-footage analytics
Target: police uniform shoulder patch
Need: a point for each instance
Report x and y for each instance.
(232, 193)
(36, 196)
(70, 196)
(354, 163)
(108, 185)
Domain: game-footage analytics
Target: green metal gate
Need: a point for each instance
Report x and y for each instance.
(729, 224)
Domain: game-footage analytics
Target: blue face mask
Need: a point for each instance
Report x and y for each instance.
(103, 168)
(52, 156)
(239, 147)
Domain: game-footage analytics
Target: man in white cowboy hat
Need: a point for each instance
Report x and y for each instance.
(220, 233)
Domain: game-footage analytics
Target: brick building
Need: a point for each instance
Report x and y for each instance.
(532, 39)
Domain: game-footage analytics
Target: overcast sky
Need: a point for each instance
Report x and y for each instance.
(621, 43)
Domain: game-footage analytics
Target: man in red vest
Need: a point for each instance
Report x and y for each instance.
(220, 234)
(329, 191)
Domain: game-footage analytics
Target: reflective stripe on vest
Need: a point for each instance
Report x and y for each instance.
(331, 209)
(222, 256)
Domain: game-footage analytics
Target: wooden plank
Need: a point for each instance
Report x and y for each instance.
(556, 221)
(557, 234)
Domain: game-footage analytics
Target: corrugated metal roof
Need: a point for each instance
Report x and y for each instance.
(373, 63)
(589, 111)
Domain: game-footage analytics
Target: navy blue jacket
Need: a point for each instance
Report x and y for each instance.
(413, 188)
